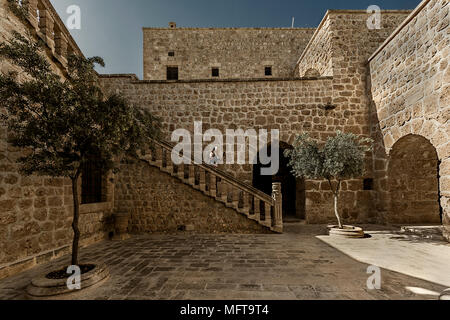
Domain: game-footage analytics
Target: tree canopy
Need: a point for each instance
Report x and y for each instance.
(340, 158)
(63, 121)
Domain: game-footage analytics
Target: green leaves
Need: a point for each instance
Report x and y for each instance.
(64, 122)
(342, 157)
(306, 159)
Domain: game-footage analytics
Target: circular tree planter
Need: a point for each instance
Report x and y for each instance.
(45, 288)
(346, 232)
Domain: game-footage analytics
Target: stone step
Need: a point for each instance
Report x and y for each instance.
(202, 188)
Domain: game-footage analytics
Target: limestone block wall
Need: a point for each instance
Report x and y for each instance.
(159, 202)
(342, 43)
(340, 47)
(292, 106)
(36, 212)
(317, 57)
(237, 52)
(410, 77)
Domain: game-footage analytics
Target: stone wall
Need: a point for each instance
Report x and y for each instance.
(317, 57)
(237, 52)
(340, 47)
(342, 43)
(36, 212)
(292, 106)
(410, 77)
(159, 202)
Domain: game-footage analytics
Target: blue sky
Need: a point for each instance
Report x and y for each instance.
(112, 29)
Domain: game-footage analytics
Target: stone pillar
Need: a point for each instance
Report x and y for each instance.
(246, 206)
(168, 161)
(213, 185)
(257, 208)
(278, 206)
(32, 12)
(267, 214)
(202, 181)
(158, 156)
(60, 44)
(224, 191)
(181, 171)
(191, 176)
(235, 197)
(46, 25)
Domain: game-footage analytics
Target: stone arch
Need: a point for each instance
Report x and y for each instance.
(293, 189)
(413, 182)
(429, 129)
(311, 72)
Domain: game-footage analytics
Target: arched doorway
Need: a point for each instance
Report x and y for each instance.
(293, 190)
(413, 182)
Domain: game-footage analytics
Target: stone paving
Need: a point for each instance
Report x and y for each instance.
(292, 266)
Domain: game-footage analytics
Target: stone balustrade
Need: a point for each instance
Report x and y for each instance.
(49, 27)
(245, 199)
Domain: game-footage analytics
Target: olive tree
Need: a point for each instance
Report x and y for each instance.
(340, 158)
(62, 122)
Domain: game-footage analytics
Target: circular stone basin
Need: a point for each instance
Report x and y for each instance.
(43, 288)
(346, 232)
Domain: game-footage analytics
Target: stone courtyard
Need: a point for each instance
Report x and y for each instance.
(293, 266)
(200, 232)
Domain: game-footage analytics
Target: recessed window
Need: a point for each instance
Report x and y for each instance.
(368, 184)
(171, 53)
(172, 73)
(215, 72)
(93, 183)
(268, 71)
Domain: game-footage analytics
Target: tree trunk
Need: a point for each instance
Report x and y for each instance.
(76, 216)
(336, 211)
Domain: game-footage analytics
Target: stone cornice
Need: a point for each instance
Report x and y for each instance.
(134, 79)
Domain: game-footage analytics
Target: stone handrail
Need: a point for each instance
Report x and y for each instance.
(244, 198)
(223, 175)
(48, 26)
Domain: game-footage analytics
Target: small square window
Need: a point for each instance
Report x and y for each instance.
(215, 72)
(268, 71)
(368, 184)
(172, 73)
(171, 53)
(93, 182)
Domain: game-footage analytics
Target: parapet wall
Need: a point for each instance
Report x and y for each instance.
(343, 42)
(410, 88)
(237, 52)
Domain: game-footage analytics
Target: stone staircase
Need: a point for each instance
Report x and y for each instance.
(221, 186)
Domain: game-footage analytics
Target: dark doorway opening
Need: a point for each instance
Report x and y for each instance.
(292, 189)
